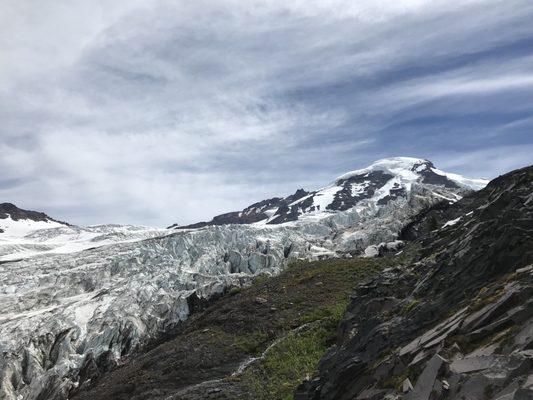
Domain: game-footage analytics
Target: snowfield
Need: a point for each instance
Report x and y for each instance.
(26, 238)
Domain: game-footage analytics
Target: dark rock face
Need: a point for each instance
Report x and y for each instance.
(366, 185)
(255, 212)
(11, 210)
(429, 176)
(458, 324)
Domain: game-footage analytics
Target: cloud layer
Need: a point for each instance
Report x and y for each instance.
(155, 112)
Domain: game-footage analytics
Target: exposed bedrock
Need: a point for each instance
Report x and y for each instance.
(458, 324)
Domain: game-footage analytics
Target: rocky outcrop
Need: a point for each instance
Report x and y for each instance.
(457, 324)
(8, 210)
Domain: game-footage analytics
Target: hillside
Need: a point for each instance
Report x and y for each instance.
(458, 323)
(448, 317)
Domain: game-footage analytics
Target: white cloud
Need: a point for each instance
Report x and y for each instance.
(136, 111)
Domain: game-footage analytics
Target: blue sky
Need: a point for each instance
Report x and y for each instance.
(154, 112)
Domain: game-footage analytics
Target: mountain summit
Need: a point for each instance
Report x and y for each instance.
(381, 182)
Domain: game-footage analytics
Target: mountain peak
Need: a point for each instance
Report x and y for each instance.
(393, 165)
(383, 181)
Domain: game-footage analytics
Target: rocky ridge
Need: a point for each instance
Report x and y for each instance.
(381, 182)
(9, 210)
(456, 324)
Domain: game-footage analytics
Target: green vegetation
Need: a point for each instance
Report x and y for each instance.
(234, 290)
(395, 381)
(410, 306)
(310, 299)
(486, 296)
(260, 279)
(290, 360)
(334, 312)
(251, 344)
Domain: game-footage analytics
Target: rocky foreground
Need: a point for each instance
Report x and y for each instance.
(448, 317)
(457, 323)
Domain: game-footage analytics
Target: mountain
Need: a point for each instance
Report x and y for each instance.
(61, 312)
(381, 182)
(450, 316)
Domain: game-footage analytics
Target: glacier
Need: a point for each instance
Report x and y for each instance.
(60, 309)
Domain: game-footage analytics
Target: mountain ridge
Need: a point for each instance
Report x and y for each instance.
(385, 179)
(455, 324)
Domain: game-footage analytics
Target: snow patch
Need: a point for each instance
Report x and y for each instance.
(475, 184)
(451, 222)
(395, 165)
(324, 197)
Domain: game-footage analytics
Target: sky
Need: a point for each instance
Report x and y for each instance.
(159, 112)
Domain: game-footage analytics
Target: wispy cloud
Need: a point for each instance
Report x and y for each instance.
(157, 111)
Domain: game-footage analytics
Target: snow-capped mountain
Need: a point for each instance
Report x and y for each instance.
(26, 233)
(381, 182)
(17, 222)
(61, 312)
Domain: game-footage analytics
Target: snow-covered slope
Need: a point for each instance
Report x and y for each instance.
(26, 233)
(381, 182)
(41, 238)
(16, 222)
(63, 313)
(22, 227)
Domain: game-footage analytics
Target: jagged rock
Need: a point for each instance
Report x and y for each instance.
(372, 251)
(469, 293)
(383, 248)
(407, 386)
(473, 387)
(524, 339)
(493, 310)
(474, 363)
(426, 381)
(436, 335)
